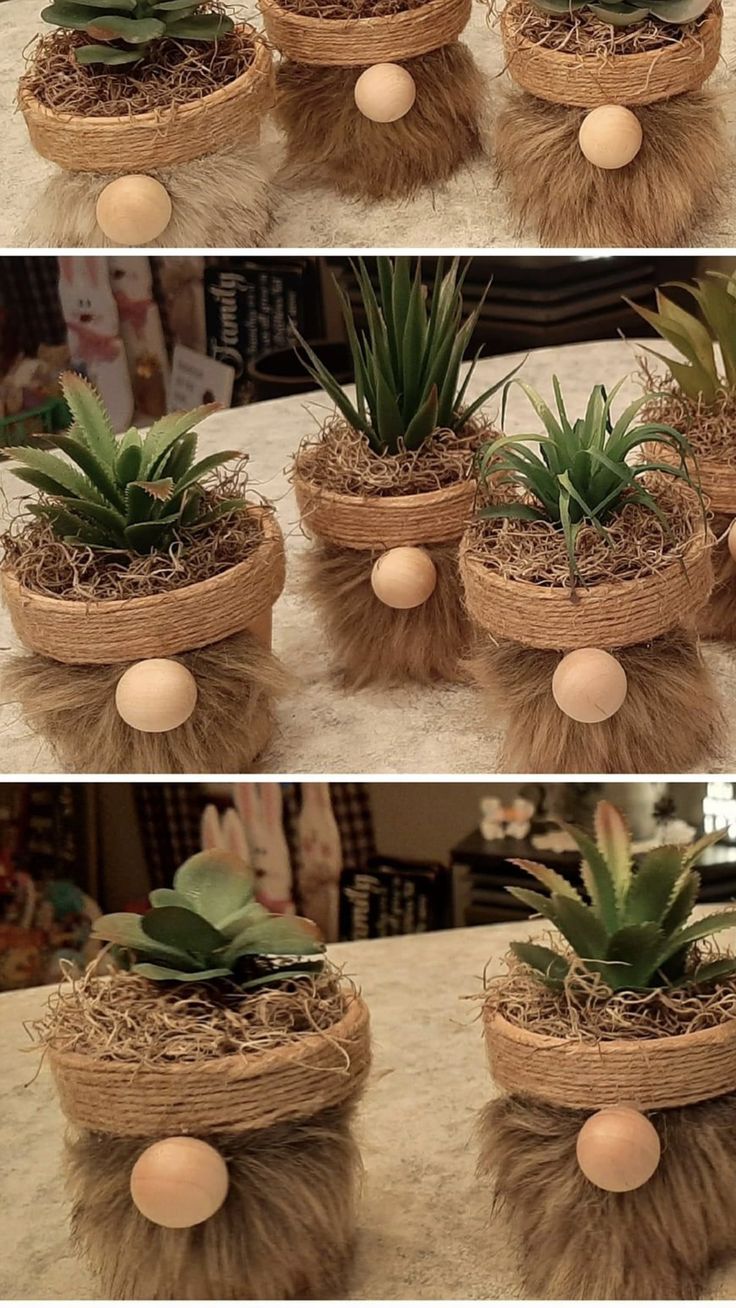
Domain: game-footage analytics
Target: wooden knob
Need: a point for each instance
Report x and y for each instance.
(133, 209)
(156, 695)
(731, 541)
(404, 578)
(610, 136)
(179, 1182)
(385, 92)
(618, 1149)
(589, 685)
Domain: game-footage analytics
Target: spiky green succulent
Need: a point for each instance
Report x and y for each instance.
(210, 926)
(625, 13)
(407, 365)
(697, 374)
(123, 31)
(129, 492)
(581, 471)
(633, 929)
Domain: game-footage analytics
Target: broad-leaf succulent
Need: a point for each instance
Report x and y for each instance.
(123, 31)
(631, 926)
(697, 373)
(626, 13)
(130, 492)
(210, 926)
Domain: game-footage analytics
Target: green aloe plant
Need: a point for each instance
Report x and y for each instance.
(123, 31)
(697, 374)
(210, 926)
(129, 492)
(407, 365)
(626, 13)
(633, 929)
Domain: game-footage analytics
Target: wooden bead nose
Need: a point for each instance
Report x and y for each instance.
(385, 92)
(589, 685)
(618, 1149)
(610, 136)
(179, 1182)
(156, 695)
(134, 209)
(404, 578)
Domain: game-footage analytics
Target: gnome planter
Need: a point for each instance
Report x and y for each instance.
(374, 101)
(586, 615)
(180, 676)
(211, 1153)
(610, 116)
(611, 1147)
(145, 129)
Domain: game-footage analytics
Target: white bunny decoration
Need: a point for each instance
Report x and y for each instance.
(320, 859)
(260, 807)
(92, 322)
(501, 821)
(141, 331)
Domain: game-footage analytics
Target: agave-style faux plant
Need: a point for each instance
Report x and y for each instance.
(631, 926)
(407, 364)
(129, 492)
(123, 31)
(697, 375)
(626, 13)
(210, 926)
(580, 473)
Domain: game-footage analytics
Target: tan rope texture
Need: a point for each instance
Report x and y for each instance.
(376, 522)
(138, 142)
(351, 42)
(634, 79)
(648, 1074)
(154, 626)
(717, 480)
(239, 1093)
(611, 615)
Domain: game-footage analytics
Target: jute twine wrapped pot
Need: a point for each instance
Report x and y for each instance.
(599, 148)
(179, 681)
(148, 179)
(376, 107)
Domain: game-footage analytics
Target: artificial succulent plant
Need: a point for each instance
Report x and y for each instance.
(697, 374)
(626, 13)
(123, 31)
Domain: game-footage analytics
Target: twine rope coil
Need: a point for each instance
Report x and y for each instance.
(611, 615)
(154, 626)
(238, 1093)
(632, 79)
(351, 42)
(136, 143)
(649, 1074)
(717, 480)
(375, 522)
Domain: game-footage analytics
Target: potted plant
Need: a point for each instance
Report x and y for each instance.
(386, 487)
(149, 108)
(210, 1088)
(378, 99)
(586, 573)
(614, 1049)
(611, 113)
(699, 398)
(141, 579)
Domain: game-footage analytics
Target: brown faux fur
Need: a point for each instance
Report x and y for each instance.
(575, 1241)
(569, 202)
(670, 721)
(717, 620)
(378, 646)
(330, 142)
(285, 1230)
(223, 200)
(74, 709)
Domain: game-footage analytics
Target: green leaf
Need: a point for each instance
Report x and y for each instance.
(699, 930)
(512, 509)
(202, 27)
(275, 935)
(598, 880)
(205, 465)
(128, 462)
(580, 926)
(100, 474)
(536, 902)
(105, 54)
(125, 930)
(163, 897)
(614, 842)
(165, 431)
(135, 31)
(182, 929)
(653, 888)
(155, 972)
(109, 519)
(632, 956)
(552, 881)
(145, 536)
(704, 973)
(90, 413)
(552, 966)
(216, 884)
(683, 902)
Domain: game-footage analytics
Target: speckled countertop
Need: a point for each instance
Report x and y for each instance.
(425, 1227)
(410, 729)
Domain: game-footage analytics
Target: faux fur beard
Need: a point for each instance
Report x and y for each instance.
(570, 202)
(330, 142)
(378, 646)
(670, 721)
(223, 200)
(74, 709)
(717, 620)
(575, 1241)
(285, 1230)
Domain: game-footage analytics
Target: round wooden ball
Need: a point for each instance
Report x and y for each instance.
(156, 695)
(385, 92)
(179, 1182)
(610, 136)
(589, 685)
(731, 541)
(134, 209)
(404, 578)
(618, 1149)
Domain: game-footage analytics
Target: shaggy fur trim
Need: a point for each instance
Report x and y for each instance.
(378, 646)
(569, 202)
(285, 1230)
(223, 200)
(575, 1241)
(670, 721)
(330, 142)
(717, 620)
(74, 709)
